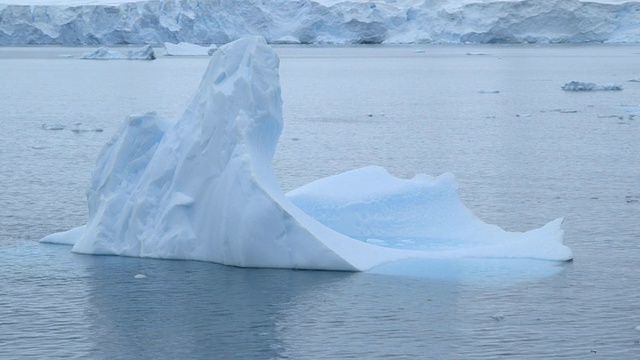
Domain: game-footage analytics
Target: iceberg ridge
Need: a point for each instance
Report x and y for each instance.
(203, 188)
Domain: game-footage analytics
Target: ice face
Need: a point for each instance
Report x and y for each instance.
(203, 188)
(110, 22)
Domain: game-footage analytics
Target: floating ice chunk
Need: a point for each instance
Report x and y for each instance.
(103, 53)
(188, 49)
(203, 188)
(144, 53)
(140, 276)
(585, 86)
(55, 126)
(81, 128)
(288, 39)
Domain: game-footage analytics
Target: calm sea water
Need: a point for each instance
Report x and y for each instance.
(523, 156)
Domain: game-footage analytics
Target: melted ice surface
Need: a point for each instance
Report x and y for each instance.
(203, 188)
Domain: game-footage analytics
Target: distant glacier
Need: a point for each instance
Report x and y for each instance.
(115, 22)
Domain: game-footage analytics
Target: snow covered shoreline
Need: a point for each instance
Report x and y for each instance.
(116, 22)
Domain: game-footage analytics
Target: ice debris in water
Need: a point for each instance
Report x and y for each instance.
(54, 126)
(140, 276)
(203, 188)
(587, 86)
(188, 49)
(103, 53)
(81, 128)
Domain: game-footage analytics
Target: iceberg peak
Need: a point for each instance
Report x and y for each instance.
(203, 188)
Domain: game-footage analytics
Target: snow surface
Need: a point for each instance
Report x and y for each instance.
(103, 53)
(188, 49)
(109, 22)
(203, 188)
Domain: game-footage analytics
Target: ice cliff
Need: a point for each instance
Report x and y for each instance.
(202, 187)
(321, 21)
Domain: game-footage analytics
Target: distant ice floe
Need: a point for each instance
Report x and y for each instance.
(104, 53)
(202, 187)
(587, 86)
(288, 39)
(81, 128)
(188, 49)
(54, 126)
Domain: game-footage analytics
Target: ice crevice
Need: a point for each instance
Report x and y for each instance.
(203, 188)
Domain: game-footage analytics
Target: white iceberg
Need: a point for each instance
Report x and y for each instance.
(588, 86)
(104, 53)
(188, 49)
(203, 188)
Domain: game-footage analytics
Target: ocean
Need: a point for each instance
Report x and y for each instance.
(523, 151)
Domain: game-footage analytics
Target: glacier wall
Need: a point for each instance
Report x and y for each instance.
(321, 22)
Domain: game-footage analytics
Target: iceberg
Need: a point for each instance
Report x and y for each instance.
(588, 86)
(187, 49)
(121, 22)
(103, 53)
(203, 188)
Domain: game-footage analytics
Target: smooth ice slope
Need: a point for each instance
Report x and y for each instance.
(110, 22)
(203, 188)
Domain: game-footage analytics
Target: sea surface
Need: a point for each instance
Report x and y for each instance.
(524, 153)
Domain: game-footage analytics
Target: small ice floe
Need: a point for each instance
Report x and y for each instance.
(498, 316)
(287, 39)
(103, 53)
(188, 49)
(140, 276)
(489, 92)
(419, 51)
(585, 86)
(561, 111)
(523, 115)
(80, 128)
(53, 126)
(610, 116)
(65, 56)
